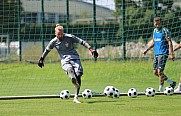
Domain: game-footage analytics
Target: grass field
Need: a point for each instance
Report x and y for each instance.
(20, 79)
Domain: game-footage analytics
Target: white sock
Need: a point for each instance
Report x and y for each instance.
(76, 96)
(160, 88)
(169, 81)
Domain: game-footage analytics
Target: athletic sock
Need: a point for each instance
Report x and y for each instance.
(160, 88)
(77, 91)
(169, 81)
(76, 96)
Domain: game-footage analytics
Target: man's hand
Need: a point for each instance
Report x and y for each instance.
(40, 62)
(94, 53)
(145, 51)
(172, 57)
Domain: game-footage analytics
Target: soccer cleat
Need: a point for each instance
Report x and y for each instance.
(173, 84)
(74, 81)
(76, 101)
(177, 90)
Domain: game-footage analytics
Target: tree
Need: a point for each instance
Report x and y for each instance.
(139, 18)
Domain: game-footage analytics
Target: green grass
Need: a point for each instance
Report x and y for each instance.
(99, 106)
(20, 79)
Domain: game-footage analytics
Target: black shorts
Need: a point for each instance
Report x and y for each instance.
(160, 61)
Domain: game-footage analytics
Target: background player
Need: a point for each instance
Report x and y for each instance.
(70, 61)
(178, 89)
(162, 48)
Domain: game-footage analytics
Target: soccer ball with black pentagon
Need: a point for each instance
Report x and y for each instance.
(168, 91)
(117, 93)
(132, 92)
(64, 94)
(109, 91)
(87, 93)
(150, 92)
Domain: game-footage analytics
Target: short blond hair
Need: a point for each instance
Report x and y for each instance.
(58, 25)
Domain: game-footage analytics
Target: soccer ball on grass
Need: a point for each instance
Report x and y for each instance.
(132, 92)
(168, 91)
(65, 94)
(117, 93)
(87, 93)
(150, 92)
(109, 91)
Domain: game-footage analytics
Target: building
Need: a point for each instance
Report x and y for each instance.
(55, 11)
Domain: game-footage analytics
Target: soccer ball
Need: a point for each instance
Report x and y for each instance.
(168, 91)
(117, 93)
(150, 92)
(132, 92)
(109, 91)
(65, 94)
(87, 93)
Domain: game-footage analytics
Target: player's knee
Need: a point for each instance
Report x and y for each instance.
(71, 73)
(70, 70)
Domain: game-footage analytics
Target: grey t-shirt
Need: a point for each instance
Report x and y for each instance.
(66, 47)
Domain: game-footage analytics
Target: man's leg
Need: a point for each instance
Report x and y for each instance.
(161, 82)
(163, 78)
(77, 89)
(178, 89)
(162, 59)
(72, 76)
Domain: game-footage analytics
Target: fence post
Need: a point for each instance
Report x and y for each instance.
(67, 17)
(154, 8)
(123, 31)
(42, 25)
(19, 30)
(94, 25)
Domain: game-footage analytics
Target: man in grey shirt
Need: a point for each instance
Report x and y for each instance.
(70, 61)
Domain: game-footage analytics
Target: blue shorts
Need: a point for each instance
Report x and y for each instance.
(160, 61)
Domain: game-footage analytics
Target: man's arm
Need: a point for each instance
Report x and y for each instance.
(45, 53)
(177, 47)
(170, 49)
(85, 44)
(149, 47)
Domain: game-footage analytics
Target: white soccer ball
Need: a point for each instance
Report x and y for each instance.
(132, 92)
(168, 91)
(150, 92)
(109, 91)
(65, 94)
(117, 93)
(87, 93)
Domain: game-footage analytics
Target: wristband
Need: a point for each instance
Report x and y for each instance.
(90, 50)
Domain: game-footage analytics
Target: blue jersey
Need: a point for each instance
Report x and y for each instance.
(160, 41)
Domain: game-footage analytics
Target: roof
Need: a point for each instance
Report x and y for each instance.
(77, 7)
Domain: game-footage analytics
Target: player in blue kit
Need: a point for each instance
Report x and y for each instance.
(70, 61)
(162, 49)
